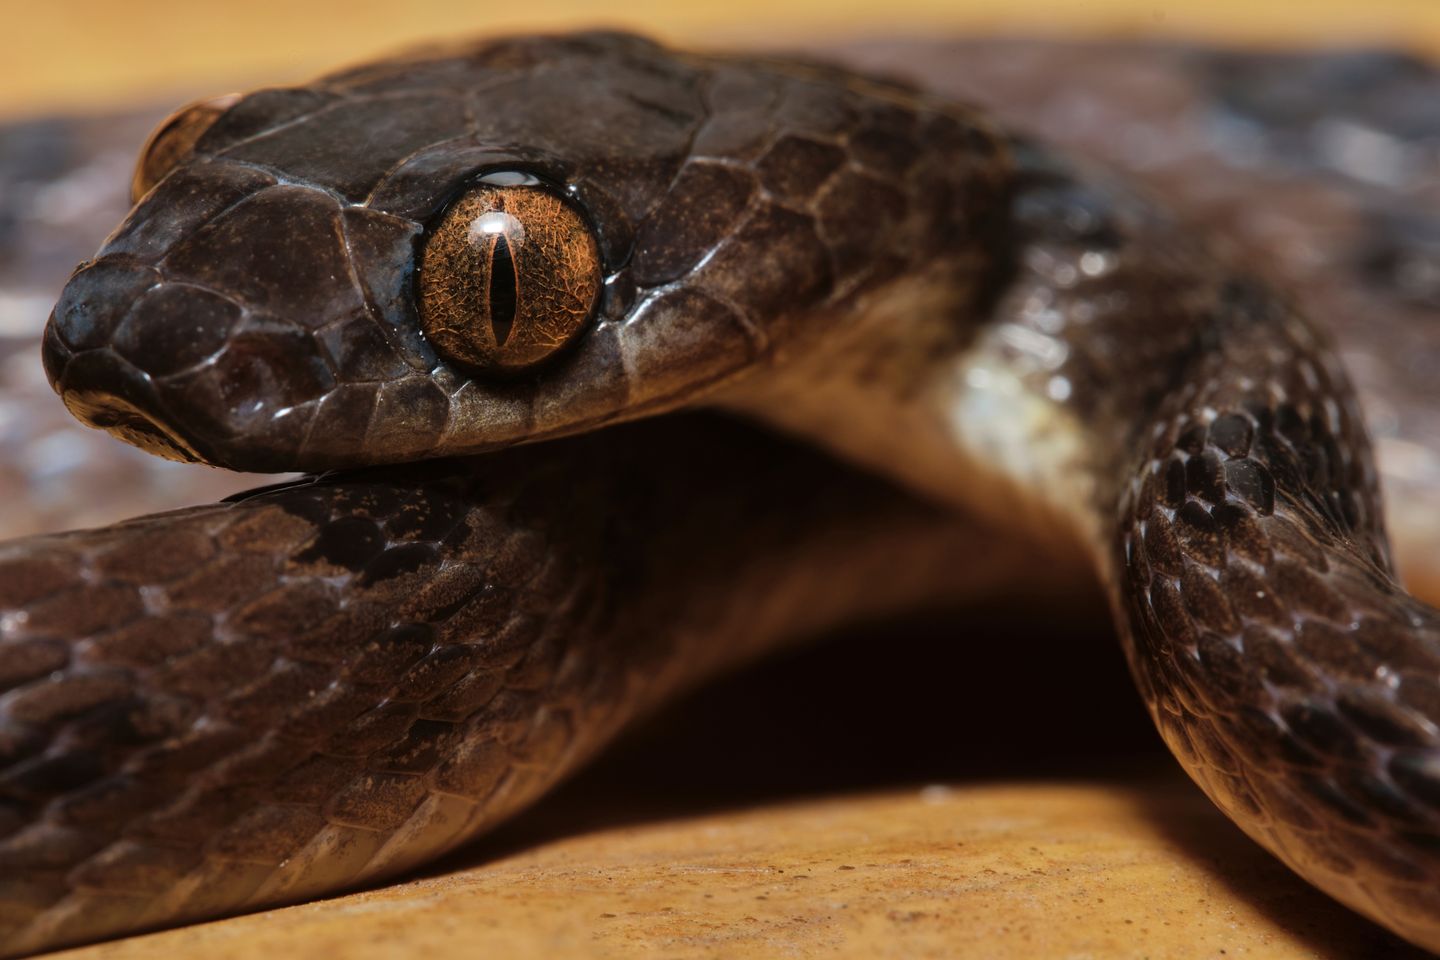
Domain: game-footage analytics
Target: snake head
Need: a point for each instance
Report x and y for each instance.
(462, 249)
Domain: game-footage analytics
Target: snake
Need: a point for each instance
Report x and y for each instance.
(505, 300)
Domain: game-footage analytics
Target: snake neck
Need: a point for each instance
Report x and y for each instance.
(1037, 395)
(968, 388)
(1182, 424)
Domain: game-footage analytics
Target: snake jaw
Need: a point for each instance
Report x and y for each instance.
(129, 423)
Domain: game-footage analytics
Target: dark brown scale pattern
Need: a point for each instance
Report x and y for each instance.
(252, 703)
(1285, 666)
(156, 734)
(286, 255)
(1268, 645)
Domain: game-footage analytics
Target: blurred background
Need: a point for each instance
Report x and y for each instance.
(90, 54)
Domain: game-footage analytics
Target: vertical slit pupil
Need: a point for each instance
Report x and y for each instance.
(502, 290)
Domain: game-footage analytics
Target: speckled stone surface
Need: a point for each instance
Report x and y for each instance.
(1007, 871)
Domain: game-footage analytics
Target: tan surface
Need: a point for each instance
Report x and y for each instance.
(1003, 871)
(89, 53)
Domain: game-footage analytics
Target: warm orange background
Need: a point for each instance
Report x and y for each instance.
(68, 54)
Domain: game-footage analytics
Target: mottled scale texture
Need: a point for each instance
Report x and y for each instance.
(258, 308)
(329, 682)
(1284, 664)
(236, 705)
(864, 265)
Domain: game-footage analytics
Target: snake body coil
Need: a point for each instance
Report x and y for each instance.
(853, 261)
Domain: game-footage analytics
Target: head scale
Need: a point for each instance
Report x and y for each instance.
(460, 250)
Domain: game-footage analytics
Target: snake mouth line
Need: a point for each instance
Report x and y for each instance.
(129, 423)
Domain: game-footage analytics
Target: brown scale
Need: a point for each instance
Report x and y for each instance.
(397, 708)
(756, 223)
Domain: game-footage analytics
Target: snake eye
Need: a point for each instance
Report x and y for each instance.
(172, 141)
(508, 275)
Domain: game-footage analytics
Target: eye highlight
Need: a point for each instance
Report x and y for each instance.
(508, 276)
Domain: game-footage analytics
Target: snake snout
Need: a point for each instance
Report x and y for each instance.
(170, 366)
(221, 338)
(91, 369)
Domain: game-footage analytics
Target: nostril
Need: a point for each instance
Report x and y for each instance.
(94, 299)
(54, 356)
